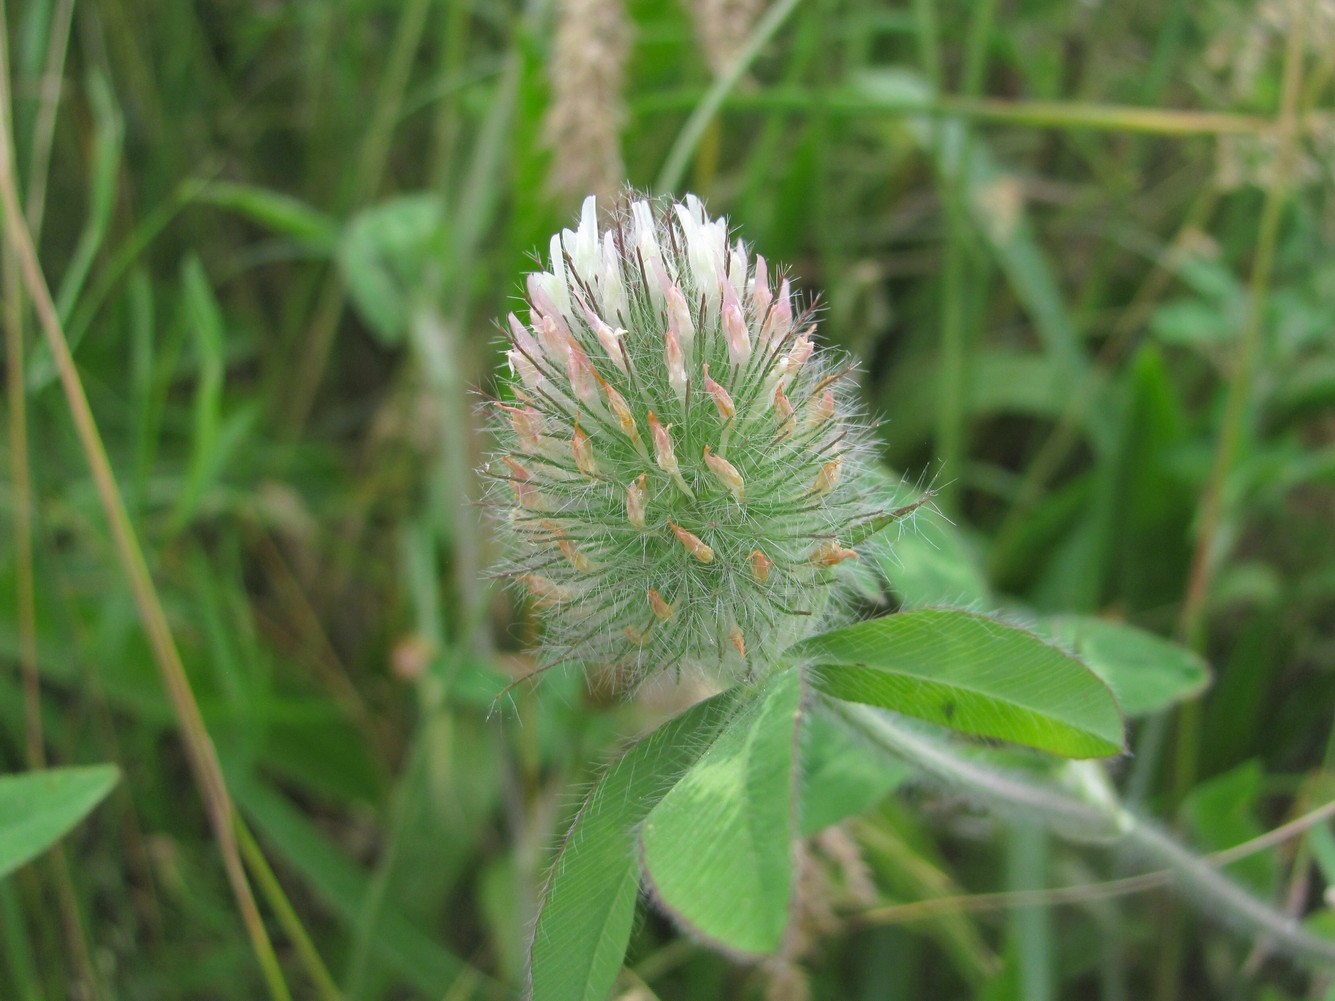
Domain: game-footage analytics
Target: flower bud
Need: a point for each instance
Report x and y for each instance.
(583, 453)
(722, 400)
(637, 501)
(760, 566)
(664, 454)
(676, 364)
(727, 475)
(828, 477)
(662, 610)
(693, 544)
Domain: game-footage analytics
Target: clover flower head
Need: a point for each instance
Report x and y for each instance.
(679, 464)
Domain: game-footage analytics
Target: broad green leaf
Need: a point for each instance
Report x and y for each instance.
(1146, 672)
(589, 902)
(973, 674)
(839, 778)
(1322, 845)
(718, 848)
(37, 809)
(382, 258)
(1222, 812)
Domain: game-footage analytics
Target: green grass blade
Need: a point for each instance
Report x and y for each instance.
(995, 206)
(343, 886)
(108, 137)
(280, 213)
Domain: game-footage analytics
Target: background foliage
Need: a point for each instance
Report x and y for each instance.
(1083, 251)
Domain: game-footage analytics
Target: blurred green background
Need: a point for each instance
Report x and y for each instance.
(1082, 251)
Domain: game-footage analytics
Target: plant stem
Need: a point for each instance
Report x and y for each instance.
(1056, 809)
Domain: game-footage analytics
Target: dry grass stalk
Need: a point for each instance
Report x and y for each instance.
(723, 26)
(587, 110)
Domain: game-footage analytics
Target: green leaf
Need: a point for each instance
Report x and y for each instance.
(589, 903)
(839, 778)
(1222, 812)
(1146, 672)
(37, 809)
(973, 674)
(383, 257)
(718, 849)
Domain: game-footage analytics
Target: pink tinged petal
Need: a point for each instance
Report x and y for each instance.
(761, 296)
(583, 379)
(679, 315)
(617, 404)
(526, 424)
(831, 553)
(547, 590)
(796, 357)
(663, 453)
(780, 320)
(526, 493)
(577, 559)
(738, 641)
(722, 400)
(783, 410)
(760, 566)
(542, 303)
(520, 365)
(802, 348)
(583, 451)
(676, 364)
(521, 336)
(693, 544)
(822, 409)
(609, 339)
(736, 334)
(555, 343)
(662, 610)
(828, 477)
(727, 474)
(637, 501)
(660, 275)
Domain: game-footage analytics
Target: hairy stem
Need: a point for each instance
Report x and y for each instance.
(1204, 885)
